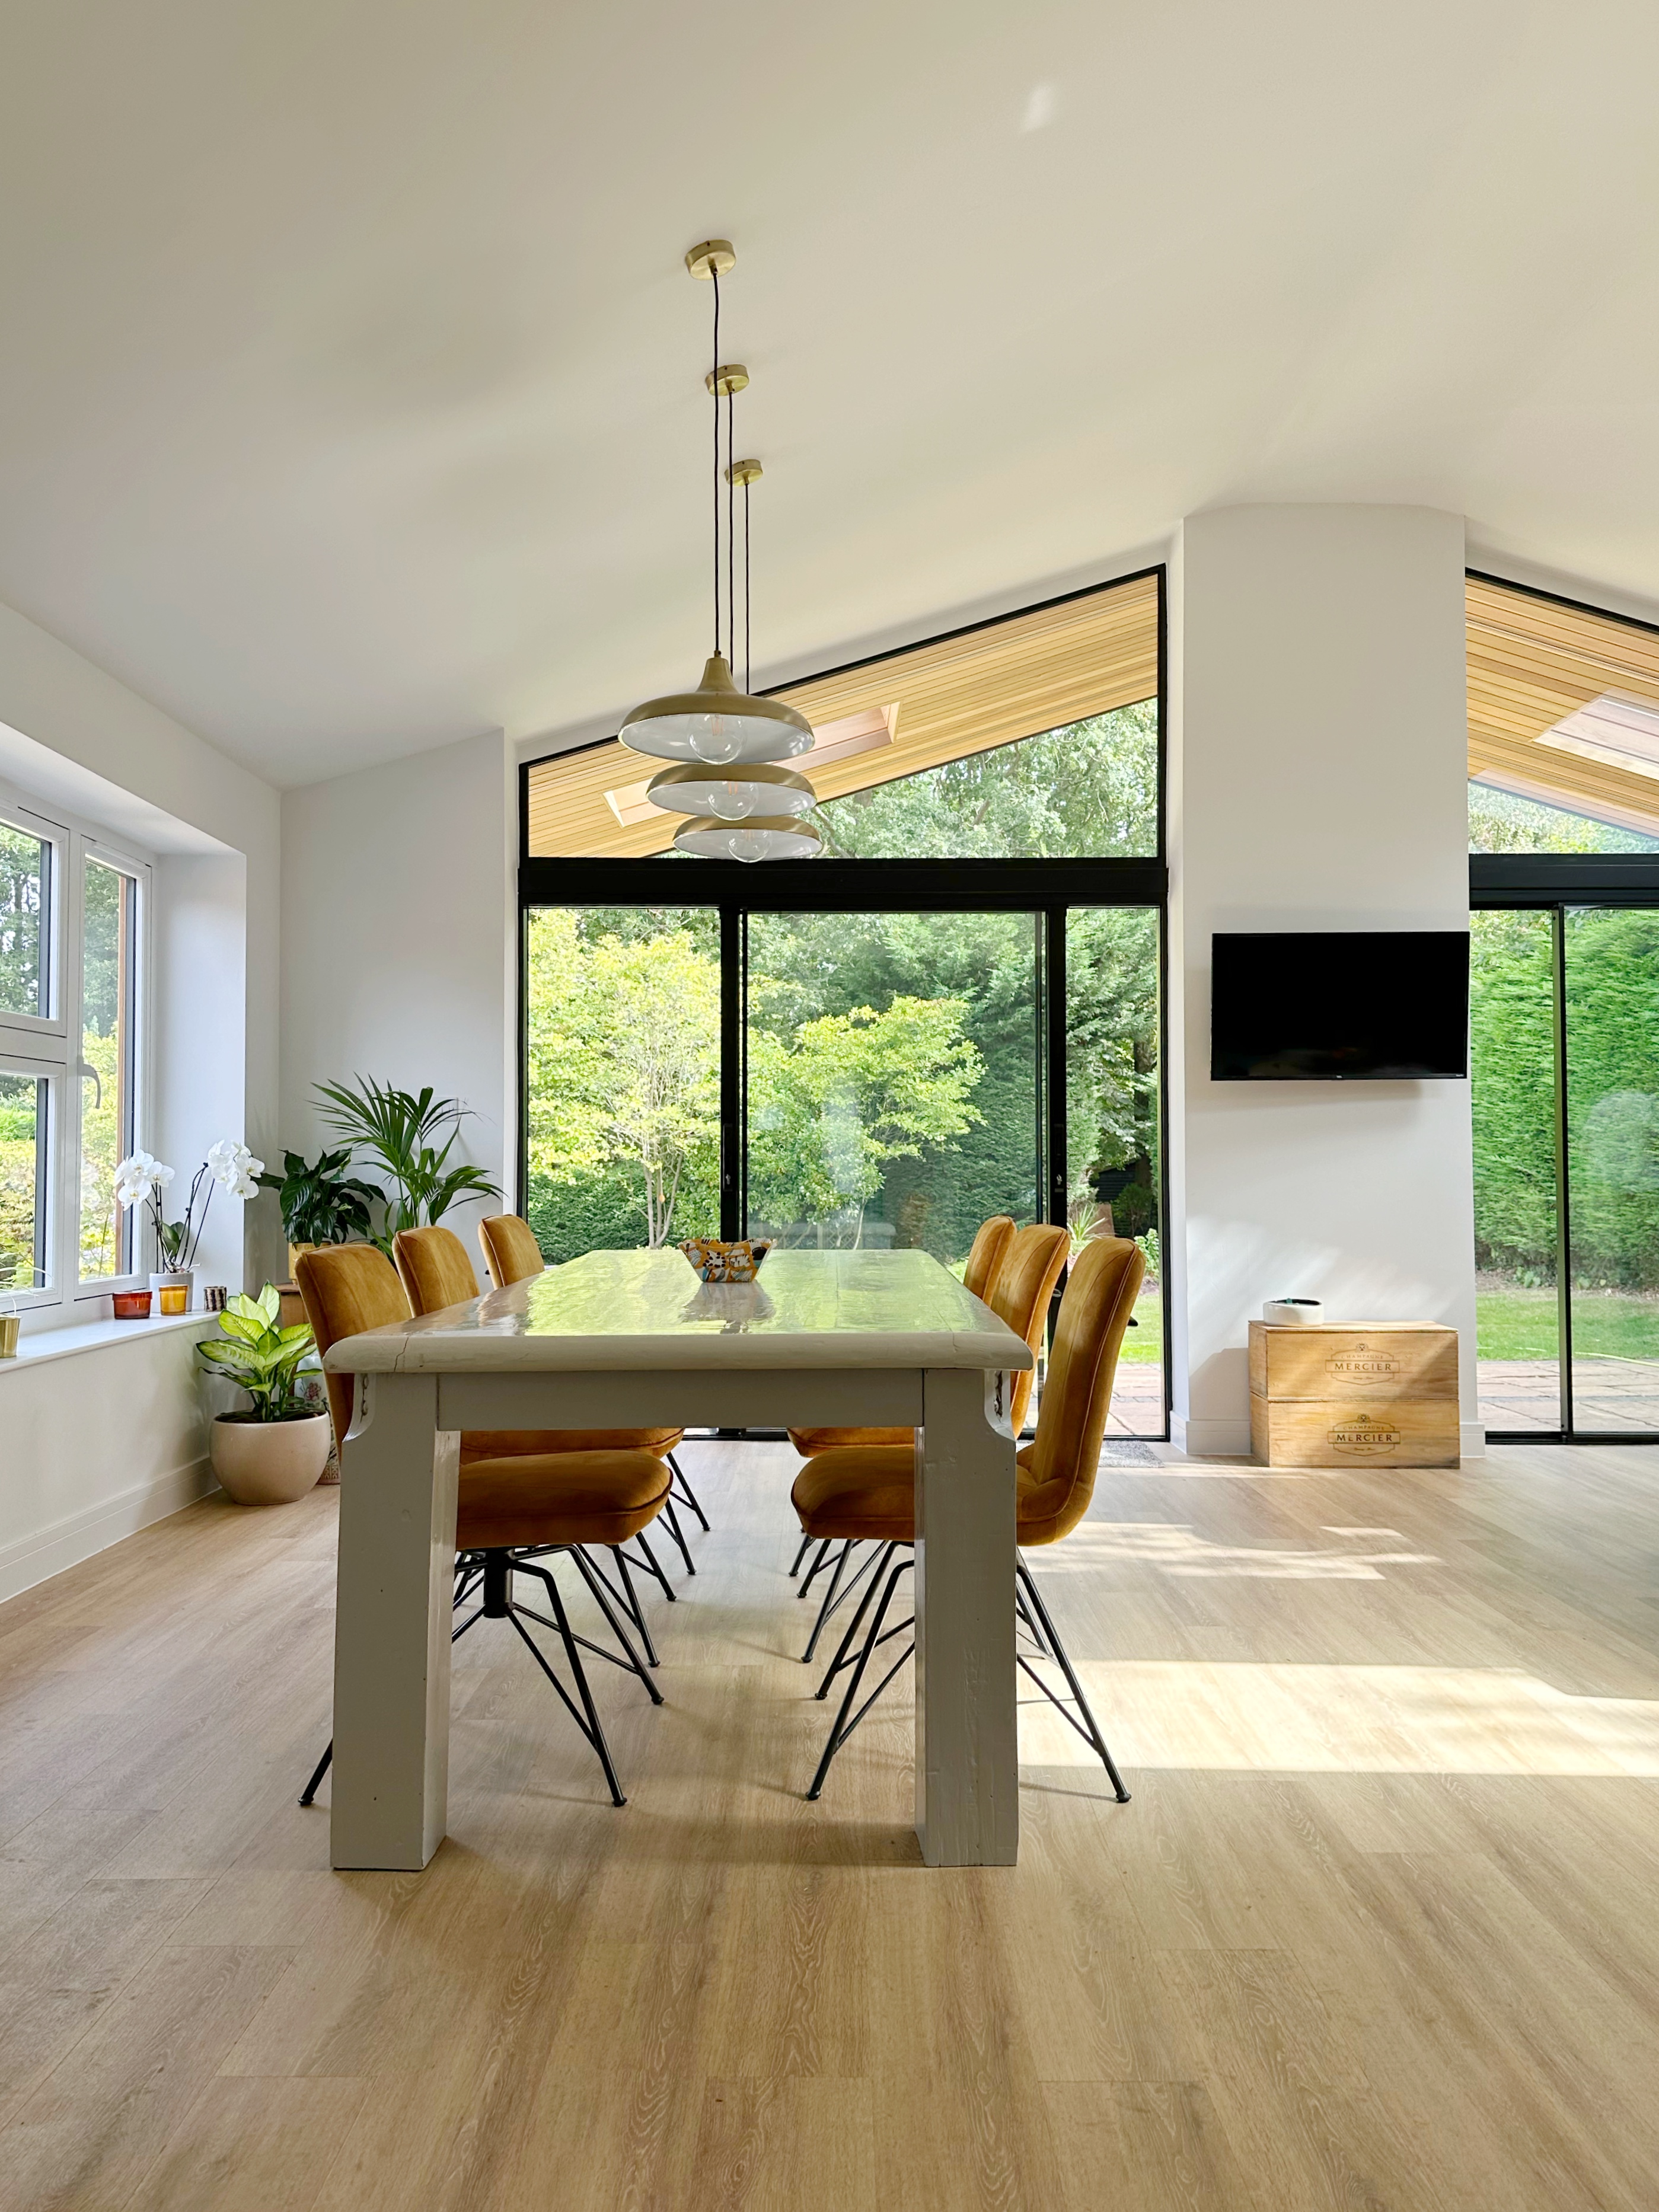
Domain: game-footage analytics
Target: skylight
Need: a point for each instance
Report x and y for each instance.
(1619, 732)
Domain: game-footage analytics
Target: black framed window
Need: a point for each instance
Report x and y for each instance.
(957, 1011)
(1564, 890)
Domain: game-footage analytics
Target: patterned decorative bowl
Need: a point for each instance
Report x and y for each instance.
(720, 1261)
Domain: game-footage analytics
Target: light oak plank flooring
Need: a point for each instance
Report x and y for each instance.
(1378, 1929)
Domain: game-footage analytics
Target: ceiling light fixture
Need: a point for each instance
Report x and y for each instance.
(716, 725)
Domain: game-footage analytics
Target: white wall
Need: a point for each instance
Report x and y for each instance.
(1318, 780)
(398, 929)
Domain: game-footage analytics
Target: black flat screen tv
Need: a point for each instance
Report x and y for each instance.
(1330, 1006)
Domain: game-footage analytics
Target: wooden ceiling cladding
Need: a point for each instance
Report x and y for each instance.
(1532, 661)
(959, 695)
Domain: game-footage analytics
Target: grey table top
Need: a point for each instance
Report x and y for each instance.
(648, 1309)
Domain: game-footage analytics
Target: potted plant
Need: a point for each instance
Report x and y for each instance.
(320, 1204)
(398, 1131)
(274, 1452)
(140, 1179)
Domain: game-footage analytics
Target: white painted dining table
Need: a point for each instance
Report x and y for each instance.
(637, 1339)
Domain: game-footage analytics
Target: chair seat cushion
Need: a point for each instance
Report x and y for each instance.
(861, 1489)
(513, 1443)
(808, 1442)
(869, 1491)
(558, 1498)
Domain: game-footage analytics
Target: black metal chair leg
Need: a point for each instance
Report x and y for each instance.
(843, 1727)
(1091, 1733)
(590, 1726)
(830, 1601)
(323, 1766)
(883, 1560)
(630, 1599)
(668, 1590)
(806, 1547)
(672, 1519)
(596, 1583)
(812, 1573)
(687, 1496)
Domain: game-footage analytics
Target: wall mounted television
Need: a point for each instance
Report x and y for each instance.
(1331, 1006)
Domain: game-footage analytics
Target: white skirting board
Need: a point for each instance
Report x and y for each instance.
(46, 1552)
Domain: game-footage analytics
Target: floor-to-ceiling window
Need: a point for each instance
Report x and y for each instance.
(1563, 819)
(956, 1011)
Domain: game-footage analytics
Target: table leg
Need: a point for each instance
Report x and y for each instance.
(967, 1746)
(392, 1630)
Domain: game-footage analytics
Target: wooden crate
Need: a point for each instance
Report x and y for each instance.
(1381, 1394)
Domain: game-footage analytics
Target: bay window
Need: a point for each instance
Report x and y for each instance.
(73, 911)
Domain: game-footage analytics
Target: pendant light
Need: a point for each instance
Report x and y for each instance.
(750, 812)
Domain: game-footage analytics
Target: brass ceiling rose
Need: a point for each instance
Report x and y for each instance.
(714, 258)
(745, 472)
(731, 376)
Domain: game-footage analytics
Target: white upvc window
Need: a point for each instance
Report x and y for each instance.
(75, 918)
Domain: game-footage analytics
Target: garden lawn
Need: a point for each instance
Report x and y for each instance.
(1521, 1324)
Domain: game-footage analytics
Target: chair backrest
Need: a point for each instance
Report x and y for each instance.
(435, 1268)
(1077, 1392)
(511, 1252)
(985, 1254)
(346, 1288)
(1019, 1293)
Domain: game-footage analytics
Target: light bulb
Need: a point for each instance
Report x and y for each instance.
(731, 801)
(716, 741)
(749, 844)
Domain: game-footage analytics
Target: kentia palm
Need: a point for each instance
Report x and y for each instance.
(398, 1131)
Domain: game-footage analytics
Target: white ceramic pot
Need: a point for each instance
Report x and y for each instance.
(268, 1462)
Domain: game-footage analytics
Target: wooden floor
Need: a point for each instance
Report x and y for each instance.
(1377, 1930)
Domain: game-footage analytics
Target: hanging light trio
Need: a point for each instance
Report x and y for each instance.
(728, 746)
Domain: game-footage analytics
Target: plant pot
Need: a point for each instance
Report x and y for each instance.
(293, 1252)
(173, 1288)
(268, 1462)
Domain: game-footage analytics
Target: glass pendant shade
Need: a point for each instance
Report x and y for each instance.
(762, 837)
(716, 724)
(758, 788)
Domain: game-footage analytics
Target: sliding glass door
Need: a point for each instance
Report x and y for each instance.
(1565, 1061)
(894, 1077)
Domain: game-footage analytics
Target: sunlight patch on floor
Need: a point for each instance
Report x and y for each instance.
(1228, 1715)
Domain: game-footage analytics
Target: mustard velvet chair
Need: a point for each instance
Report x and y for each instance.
(435, 1273)
(513, 1510)
(1019, 1293)
(985, 1257)
(870, 1493)
(512, 1256)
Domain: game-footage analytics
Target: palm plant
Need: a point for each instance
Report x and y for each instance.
(399, 1131)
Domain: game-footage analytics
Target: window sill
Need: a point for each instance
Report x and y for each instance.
(92, 1335)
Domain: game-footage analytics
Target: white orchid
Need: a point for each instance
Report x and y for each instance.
(235, 1167)
(139, 1176)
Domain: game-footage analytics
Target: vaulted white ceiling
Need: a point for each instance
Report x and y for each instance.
(350, 391)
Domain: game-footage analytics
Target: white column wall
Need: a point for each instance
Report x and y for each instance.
(400, 926)
(1318, 772)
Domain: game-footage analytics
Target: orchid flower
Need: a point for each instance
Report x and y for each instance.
(235, 1167)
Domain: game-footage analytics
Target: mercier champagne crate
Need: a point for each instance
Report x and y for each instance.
(1388, 1359)
(1379, 1395)
(1355, 1432)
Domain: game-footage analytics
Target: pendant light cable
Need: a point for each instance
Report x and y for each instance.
(714, 273)
(731, 520)
(745, 584)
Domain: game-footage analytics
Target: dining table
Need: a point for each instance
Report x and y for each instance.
(637, 1338)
